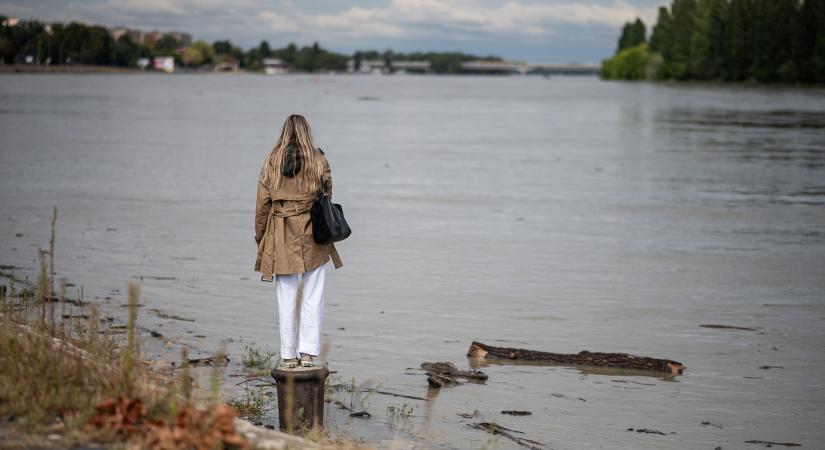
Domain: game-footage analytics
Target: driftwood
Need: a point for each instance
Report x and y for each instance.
(208, 361)
(726, 327)
(517, 413)
(441, 374)
(647, 430)
(352, 412)
(584, 358)
(508, 433)
(394, 394)
(770, 443)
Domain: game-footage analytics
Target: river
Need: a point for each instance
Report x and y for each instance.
(556, 214)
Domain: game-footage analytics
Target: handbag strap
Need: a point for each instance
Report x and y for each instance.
(321, 190)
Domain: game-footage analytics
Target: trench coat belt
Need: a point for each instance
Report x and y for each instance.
(279, 215)
(281, 212)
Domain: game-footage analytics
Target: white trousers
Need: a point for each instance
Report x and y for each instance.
(302, 334)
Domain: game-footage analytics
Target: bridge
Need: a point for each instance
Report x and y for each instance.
(523, 68)
(379, 66)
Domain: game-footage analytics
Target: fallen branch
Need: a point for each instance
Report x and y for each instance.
(441, 374)
(208, 361)
(412, 397)
(584, 358)
(507, 432)
(770, 443)
(353, 413)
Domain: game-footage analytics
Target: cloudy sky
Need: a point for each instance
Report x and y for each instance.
(549, 31)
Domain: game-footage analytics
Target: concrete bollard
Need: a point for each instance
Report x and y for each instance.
(300, 397)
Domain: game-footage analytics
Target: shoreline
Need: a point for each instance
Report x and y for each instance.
(71, 69)
(83, 69)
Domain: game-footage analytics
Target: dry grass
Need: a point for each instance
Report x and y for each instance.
(66, 378)
(65, 381)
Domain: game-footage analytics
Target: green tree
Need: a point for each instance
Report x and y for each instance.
(810, 54)
(683, 12)
(263, 49)
(709, 40)
(6, 50)
(125, 52)
(222, 47)
(632, 35)
(739, 54)
(197, 54)
(629, 64)
(773, 39)
(166, 46)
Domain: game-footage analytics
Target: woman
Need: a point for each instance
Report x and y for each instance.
(292, 177)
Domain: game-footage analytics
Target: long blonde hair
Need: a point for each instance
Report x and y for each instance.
(296, 135)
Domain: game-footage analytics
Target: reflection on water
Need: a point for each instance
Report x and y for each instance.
(558, 214)
(721, 119)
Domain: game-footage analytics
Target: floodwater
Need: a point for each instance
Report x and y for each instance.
(557, 214)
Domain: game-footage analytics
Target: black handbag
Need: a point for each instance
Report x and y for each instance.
(328, 223)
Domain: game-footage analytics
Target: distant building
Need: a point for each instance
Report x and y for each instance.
(410, 66)
(11, 21)
(136, 36)
(275, 66)
(184, 39)
(228, 63)
(373, 66)
(165, 63)
(151, 37)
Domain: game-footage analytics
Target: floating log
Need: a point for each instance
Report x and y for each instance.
(584, 358)
(771, 443)
(726, 327)
(300, 397)
(441, 374)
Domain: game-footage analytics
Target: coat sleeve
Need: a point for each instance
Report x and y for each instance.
(327, 178)
(263, 206)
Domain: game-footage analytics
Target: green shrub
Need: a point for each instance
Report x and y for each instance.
(630, 64)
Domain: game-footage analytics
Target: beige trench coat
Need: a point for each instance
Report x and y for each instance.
(283, 230)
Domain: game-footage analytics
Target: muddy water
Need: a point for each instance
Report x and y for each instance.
(552, 214)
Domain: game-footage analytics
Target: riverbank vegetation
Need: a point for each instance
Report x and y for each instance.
(726, 40)
(66, 381)
(32, 42)
(71, 377)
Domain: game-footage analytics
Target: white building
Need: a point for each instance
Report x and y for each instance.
(165, 63)
(275, 66)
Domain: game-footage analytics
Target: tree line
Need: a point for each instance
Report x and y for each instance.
(77, 43)
(729, 40)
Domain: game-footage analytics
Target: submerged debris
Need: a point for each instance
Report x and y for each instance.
(508, 433)
(446, 374)
(163, 315)
(517, 413)
(648, 431)
(209, 361)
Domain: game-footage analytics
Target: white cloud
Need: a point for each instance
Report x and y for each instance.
(177, 7)
(450, 18)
